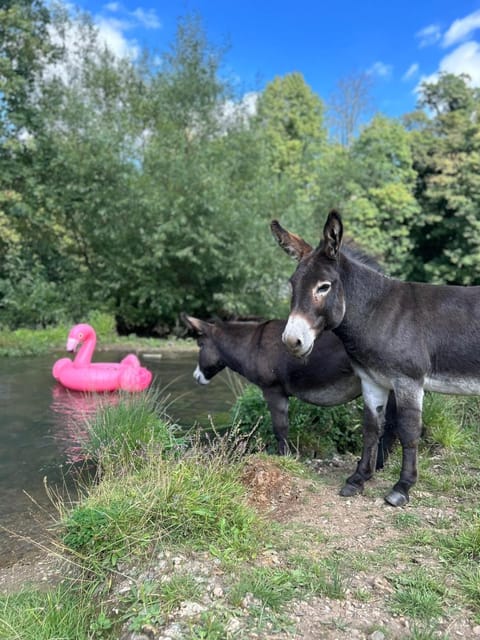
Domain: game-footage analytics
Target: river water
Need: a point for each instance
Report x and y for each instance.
(40, 423)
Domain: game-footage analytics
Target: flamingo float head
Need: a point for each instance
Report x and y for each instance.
(78, 335)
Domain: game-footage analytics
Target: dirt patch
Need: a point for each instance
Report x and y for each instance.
(270, 489)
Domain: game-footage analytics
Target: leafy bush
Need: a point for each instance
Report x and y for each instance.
(314, 431)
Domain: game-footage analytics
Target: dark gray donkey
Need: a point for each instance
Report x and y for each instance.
(255, 351)
(400, 336)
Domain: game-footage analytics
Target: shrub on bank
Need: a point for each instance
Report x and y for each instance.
(314, 431)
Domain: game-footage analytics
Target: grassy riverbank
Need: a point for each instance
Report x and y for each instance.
(179, 539)
(26, 342)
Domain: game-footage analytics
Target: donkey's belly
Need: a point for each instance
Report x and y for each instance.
(453, 385)
(330, 395)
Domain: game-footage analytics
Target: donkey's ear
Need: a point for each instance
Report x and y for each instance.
(290, 243)
(332, 235)
(198, 327)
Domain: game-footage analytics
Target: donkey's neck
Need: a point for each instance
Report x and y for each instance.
(364, 289)
(234, 343)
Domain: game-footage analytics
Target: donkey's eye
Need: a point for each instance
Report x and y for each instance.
(322, 288)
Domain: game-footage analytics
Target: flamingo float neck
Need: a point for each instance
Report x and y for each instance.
(83, 335)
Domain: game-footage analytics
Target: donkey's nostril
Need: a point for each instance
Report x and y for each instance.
(299, 342)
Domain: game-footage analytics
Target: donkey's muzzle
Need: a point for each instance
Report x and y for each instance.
(298, 336)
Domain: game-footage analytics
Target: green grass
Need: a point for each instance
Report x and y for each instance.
(61, 613)
(22, 342)
(154, 490)
(152, 603)
(274, 587)
(191, 501)
(442, 421)
(464, 543)
(468, 577)
(118, 434)
(418, 595)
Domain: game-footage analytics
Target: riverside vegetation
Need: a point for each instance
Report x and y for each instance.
(183, 536)
(28, 342)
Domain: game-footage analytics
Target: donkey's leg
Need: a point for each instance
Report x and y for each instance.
(278, 404)
(375, 400)
(389, 438)
(409, 399)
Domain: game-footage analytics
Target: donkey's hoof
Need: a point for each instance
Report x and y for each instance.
(396, 499)
(349, 490)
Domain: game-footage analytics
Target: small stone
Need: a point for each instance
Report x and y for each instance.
(188, 609)
(476, 630)
(233, 625)
(377, 635)
(172, 631)
(218, 592)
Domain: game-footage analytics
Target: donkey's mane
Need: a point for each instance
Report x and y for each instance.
(355, 252)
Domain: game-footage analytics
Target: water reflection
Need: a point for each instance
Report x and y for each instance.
(72, 411)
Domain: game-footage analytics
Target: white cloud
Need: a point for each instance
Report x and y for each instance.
(463, 59)
(461, 29)
(147, 19)
(242, 111)
(429, 35)
(111, 34)
(411, 71)
(113, 30)
(113, 7)
(380, 69)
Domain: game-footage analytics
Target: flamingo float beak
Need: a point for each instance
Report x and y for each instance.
(72, 344)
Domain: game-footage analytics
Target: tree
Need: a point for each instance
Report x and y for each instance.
(447, 158)
(290, 122)
(350, 105)
(25, 49)
(378, 184)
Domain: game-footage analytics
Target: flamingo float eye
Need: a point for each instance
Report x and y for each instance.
(80, 336)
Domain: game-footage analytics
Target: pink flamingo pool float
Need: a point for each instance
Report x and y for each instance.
(82, 374)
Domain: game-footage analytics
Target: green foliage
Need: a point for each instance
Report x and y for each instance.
(447, 157)
(144, 191)
(382, 206)
(22, 342)
(314, 431)
(290, 118)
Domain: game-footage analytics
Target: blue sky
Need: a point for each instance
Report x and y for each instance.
(397, 42)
